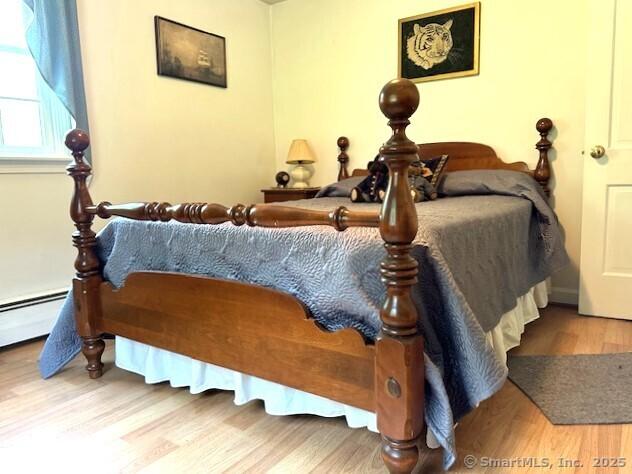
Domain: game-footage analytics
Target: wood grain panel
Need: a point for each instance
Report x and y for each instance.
(248, 328)
(469, 156)
(463, 156)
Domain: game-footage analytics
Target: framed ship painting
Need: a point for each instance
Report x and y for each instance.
(187, 53)
(440, 45)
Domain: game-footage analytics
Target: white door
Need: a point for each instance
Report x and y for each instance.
(606, 258)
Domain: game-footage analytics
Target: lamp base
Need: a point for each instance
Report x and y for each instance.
(300, 174)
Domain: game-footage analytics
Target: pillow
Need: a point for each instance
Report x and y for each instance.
(499, 181)
(341, 188)
(431, 168)
(422, 175)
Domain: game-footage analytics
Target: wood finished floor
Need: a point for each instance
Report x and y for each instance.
(119, 424)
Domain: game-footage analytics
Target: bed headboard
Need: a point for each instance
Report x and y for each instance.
(473, 156)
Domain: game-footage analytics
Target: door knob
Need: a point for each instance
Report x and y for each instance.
(597, 152)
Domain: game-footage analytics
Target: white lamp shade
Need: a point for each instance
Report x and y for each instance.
(300, 152)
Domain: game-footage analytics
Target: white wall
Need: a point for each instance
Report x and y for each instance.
(166, 139)
(332, 57)
(154, 138)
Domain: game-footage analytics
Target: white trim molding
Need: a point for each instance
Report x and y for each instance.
(33, 298)
(564, 295)
(34, 166)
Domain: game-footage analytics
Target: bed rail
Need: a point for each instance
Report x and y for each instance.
(399, 369)
(259, 215)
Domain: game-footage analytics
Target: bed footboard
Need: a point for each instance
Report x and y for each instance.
(248, 328)
(260, 331)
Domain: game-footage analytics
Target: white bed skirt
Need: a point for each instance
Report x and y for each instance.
(158, 365)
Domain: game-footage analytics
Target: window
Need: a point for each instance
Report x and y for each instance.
(33, 121)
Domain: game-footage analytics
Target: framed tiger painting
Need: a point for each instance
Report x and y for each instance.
(440, 45)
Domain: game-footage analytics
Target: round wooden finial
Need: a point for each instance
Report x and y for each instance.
(544, 125)
(399, 99)
(343, 143)
(77, 140)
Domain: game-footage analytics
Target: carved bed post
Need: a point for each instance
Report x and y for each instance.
(542, 172)
(86, 283)
(343, 158)
(399, 369)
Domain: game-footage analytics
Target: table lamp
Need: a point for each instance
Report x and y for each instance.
(300, 154)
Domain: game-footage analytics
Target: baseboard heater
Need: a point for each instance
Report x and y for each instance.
(23, 303)
(31, 317)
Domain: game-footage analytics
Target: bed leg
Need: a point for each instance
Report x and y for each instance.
(399, 456)
(92, 349)
(88, 278)
(399, 360)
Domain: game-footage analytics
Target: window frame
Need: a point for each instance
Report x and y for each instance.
(55, 121)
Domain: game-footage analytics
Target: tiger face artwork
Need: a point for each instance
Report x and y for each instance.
(430, 44)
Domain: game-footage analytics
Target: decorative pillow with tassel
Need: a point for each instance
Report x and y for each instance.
(423, 175)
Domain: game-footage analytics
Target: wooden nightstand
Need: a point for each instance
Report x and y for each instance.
(288, 194)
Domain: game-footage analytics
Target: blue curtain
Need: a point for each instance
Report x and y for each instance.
(53, 39)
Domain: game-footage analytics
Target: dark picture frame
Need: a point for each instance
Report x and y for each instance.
(442, 44)
(188, 53)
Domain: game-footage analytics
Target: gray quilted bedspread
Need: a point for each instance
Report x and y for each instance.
(477, 255)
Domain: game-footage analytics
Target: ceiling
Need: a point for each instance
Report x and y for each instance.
(271, 2)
